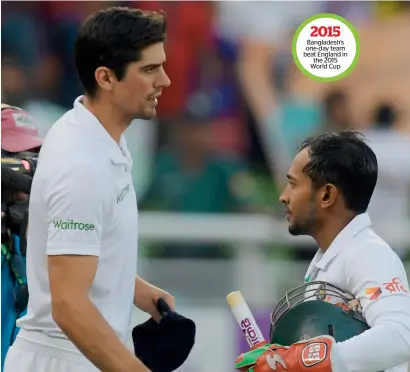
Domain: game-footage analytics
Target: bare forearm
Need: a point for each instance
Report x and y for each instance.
(260, 94)
(141, 289)
(255, 75)
(146, 297)
(92, 335)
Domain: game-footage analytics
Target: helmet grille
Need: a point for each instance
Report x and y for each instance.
(316, 290)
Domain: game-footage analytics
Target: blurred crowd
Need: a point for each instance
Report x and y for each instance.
(228, 127)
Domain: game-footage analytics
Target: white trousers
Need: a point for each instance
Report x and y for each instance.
(27, 356)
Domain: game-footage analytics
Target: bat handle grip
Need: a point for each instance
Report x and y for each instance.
(163, 307)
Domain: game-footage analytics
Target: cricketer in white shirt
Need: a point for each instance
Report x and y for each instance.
(360, 262)
(331, 182)
(82, 203)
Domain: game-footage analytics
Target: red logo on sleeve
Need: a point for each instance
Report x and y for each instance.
(395, 286)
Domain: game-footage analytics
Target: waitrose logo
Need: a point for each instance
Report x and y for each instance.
(121, 196)
(72, 225)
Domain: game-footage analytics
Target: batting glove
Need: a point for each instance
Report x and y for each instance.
(312, 355)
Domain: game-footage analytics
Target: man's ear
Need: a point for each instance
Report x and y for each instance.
(104, 78)
(328, 195)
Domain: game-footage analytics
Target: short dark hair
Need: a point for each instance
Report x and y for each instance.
(346, 161)
(114, 37)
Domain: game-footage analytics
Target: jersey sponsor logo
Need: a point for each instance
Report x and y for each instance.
(395, 286)
(314, 353)
(374, 292)
(59, 224)
(271, 360)
(124, 192)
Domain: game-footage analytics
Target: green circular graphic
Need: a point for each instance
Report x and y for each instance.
(346, 23)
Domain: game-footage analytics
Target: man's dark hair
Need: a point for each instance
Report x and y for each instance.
(346, 161)
(114, 37)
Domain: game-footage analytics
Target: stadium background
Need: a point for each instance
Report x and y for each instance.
(209, 169)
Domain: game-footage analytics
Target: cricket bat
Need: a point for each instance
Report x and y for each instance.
(244, 318)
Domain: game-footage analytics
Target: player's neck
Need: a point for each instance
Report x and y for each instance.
(113, 122)
(330, 230)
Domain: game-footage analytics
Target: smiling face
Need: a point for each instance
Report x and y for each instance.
(301, 198)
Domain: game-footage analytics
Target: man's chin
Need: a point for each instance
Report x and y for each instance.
(147, 114)
(295, 230)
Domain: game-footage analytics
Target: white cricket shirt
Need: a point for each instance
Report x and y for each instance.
(83, 203)
(360, 262)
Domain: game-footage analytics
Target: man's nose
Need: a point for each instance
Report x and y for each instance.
(164, 81)
(284, 198)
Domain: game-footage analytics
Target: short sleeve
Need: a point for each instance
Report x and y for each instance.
(377, 276)
(77, 201)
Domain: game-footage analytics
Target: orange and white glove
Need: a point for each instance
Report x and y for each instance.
(312, 355)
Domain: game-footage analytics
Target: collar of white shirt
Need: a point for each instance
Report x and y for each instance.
(321, 260)
(118, 154)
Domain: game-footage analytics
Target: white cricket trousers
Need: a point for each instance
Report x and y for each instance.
(28, 356)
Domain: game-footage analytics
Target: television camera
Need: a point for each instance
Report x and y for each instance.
(17, 171)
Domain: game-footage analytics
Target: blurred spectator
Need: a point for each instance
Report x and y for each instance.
(391, 202)
(354, 11)
(336, 111)
(392, 148)
(390, 9)
(63, 19)
(18, 130)
(189, 49)
(189, 177)
(16, 89)
(263, 32)
(385, 117)
(14, 82)
(19, 134)
(23, 35)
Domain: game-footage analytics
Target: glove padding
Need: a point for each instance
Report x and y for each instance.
(312, 355)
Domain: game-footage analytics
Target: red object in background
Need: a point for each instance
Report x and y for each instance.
(70, 10)
(18, 131)
(230, 135)
(189, 35)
